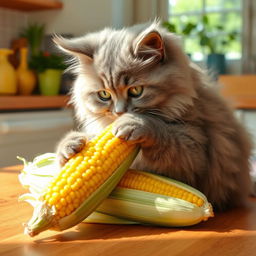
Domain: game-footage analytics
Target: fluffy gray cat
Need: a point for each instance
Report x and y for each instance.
(141, 78)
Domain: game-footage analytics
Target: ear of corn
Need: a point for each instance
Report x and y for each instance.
(139, 197)
(80, 186)
(149, 198)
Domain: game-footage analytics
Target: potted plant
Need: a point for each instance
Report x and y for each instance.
(212, 38)
(216, 42)
(49, 68)
(185, 29)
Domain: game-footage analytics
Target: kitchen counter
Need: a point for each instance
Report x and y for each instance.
(228, 234)
(239, 90)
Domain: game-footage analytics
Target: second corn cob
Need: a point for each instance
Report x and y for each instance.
(142, 197)
(80, 186)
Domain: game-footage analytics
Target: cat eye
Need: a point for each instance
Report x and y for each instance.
(135, 91)
(104, 95)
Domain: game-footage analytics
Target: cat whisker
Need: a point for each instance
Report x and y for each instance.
(157, 113)
(92, 120)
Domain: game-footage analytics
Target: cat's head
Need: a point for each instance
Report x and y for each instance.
(137, 69)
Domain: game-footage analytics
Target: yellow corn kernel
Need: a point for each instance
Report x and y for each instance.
(140, 181)
(85, 172)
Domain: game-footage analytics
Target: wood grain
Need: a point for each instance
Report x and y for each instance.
(31, 5)
(33, 102)
(230, 234)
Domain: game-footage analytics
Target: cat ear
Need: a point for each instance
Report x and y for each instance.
(78, 47)
(150, 45)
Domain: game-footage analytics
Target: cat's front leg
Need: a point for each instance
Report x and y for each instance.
(71, 144)
(134, 128)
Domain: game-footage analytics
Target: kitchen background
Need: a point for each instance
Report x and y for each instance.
(32, 124)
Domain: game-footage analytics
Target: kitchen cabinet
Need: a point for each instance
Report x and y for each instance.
(32, 125)
(31, 5)
(31, 133)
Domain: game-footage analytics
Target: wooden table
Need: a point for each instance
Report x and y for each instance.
(227, 234)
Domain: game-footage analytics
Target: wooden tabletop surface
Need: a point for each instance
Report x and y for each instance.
(227, 234)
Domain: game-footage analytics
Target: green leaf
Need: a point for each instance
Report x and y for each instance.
(41, 62)
(205, 20)
(188, 28)
(224, 42)
(220, 27)
(170, 27)
(233, 35)
(34, 33)
(204, 41)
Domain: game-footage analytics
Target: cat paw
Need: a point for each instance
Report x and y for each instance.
(130, 129)
(73, 143)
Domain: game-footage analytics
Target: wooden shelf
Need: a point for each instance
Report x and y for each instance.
(33, 102)
(31, 5)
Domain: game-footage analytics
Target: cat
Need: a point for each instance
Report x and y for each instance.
(140, 78)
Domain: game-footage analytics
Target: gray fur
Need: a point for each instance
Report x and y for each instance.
(185, 128)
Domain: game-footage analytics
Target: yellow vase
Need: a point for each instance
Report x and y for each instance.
(26, 77)
(8, 79)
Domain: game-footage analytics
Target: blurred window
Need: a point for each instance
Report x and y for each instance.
(221, 20)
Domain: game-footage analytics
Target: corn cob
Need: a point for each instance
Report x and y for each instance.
(139, 198)
(155, 184)
(148, 198)
(83, 182)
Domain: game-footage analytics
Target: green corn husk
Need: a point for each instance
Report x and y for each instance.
(102, 218)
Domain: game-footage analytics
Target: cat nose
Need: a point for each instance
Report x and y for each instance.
(118, 113)
(119, 108)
